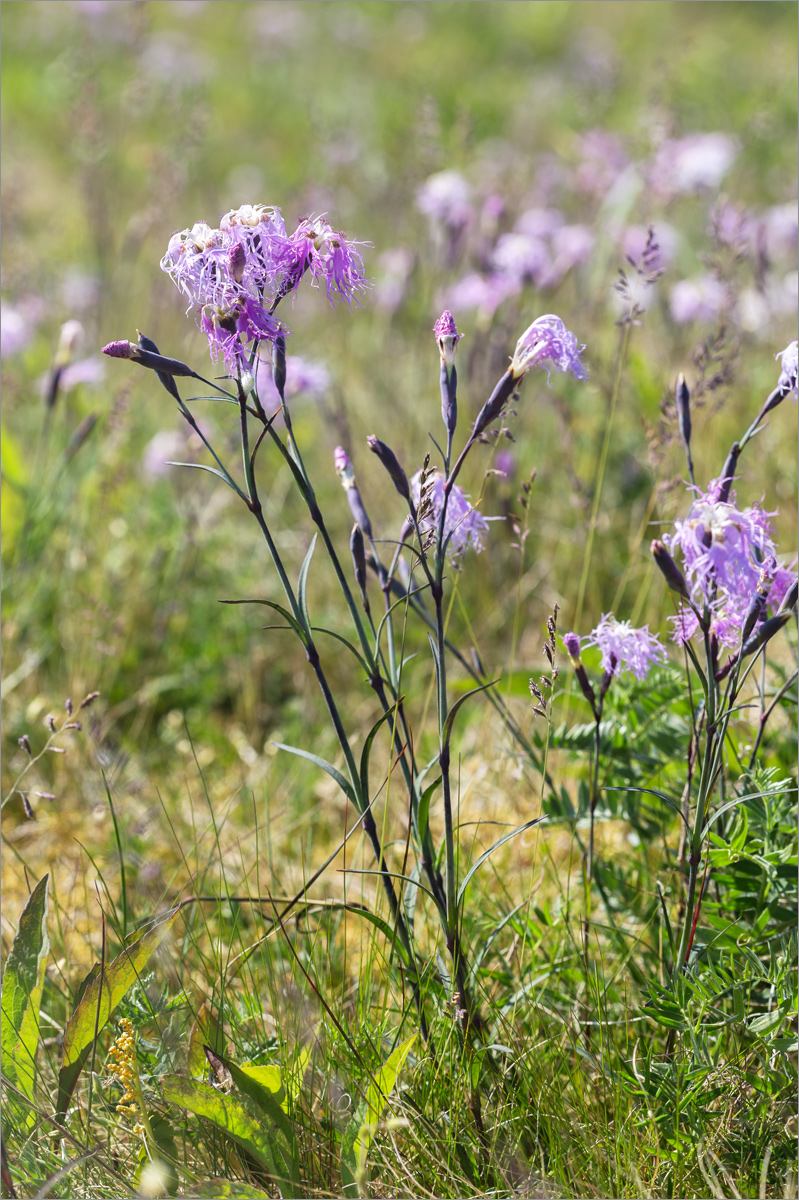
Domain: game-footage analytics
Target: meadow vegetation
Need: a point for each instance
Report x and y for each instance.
(454, 852)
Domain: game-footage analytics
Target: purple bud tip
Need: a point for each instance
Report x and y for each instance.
(237, 259)
(118, 350)
(341, 459)
(445, 326)
(572, 643)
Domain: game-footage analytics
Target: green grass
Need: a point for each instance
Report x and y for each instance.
(597, 1075)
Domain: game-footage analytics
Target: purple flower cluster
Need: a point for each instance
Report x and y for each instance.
(235, 276)
(723, 550)
(464, 526)
(624, 649)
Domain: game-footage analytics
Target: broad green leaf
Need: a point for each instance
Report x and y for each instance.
(22, 991)
(486, 853)
(99, 1001)
(359, 1133)
(205, 1031)
(244, 1122)
(332, 771)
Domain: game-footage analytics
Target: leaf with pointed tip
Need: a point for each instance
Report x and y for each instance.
(423, 810)
(367, 748)
(99, 1001)
(302, 584)
(487, 853)
(243, 1121)
(651, 792)
(211, 471)
(284, 612)
(332, 771)
(347, 643)
(447, 732)
(359, 1133)
(22, 991)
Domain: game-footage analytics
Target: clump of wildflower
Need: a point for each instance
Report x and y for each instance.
(723, 550)
(464, 526)
(122, 1056)
(626, 650)
(235, 276)
(548, 343)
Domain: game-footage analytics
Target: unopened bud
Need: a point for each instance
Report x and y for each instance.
(765, 632)
(669, 569)
(572, 643)
(50, 722)
(26, 805)
(279, 365)
(683, 398)
(446, 334)
(341, 461)
(358, 556)
(496, 402)
(727, 476)
(24, 742)
(90, 699)
(758, 602)
(389, 460)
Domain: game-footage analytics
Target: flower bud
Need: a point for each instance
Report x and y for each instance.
(279, 364)
(389, 460)
(358, 556)
(728, 473)
(760, 597)
(446, 334)
(347, 476)
(683, 398)
(572, 643)
(765, 632)
(669, 569)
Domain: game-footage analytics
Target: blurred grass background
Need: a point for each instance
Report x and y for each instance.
(124, 122)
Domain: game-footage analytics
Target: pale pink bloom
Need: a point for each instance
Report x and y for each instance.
(701, 299)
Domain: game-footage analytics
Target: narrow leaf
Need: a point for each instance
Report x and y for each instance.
(332, 771)
(453, 712)
(302, 584)
(22, 991)
(212, 471)
(487, 853)
(423, 811)
(367, 750)
(284, 612)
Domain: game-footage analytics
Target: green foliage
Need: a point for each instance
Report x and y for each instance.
(23, 981)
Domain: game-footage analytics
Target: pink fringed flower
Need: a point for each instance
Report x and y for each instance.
(464, 526)
(625, 649)
(723, 549)
(548, 343)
